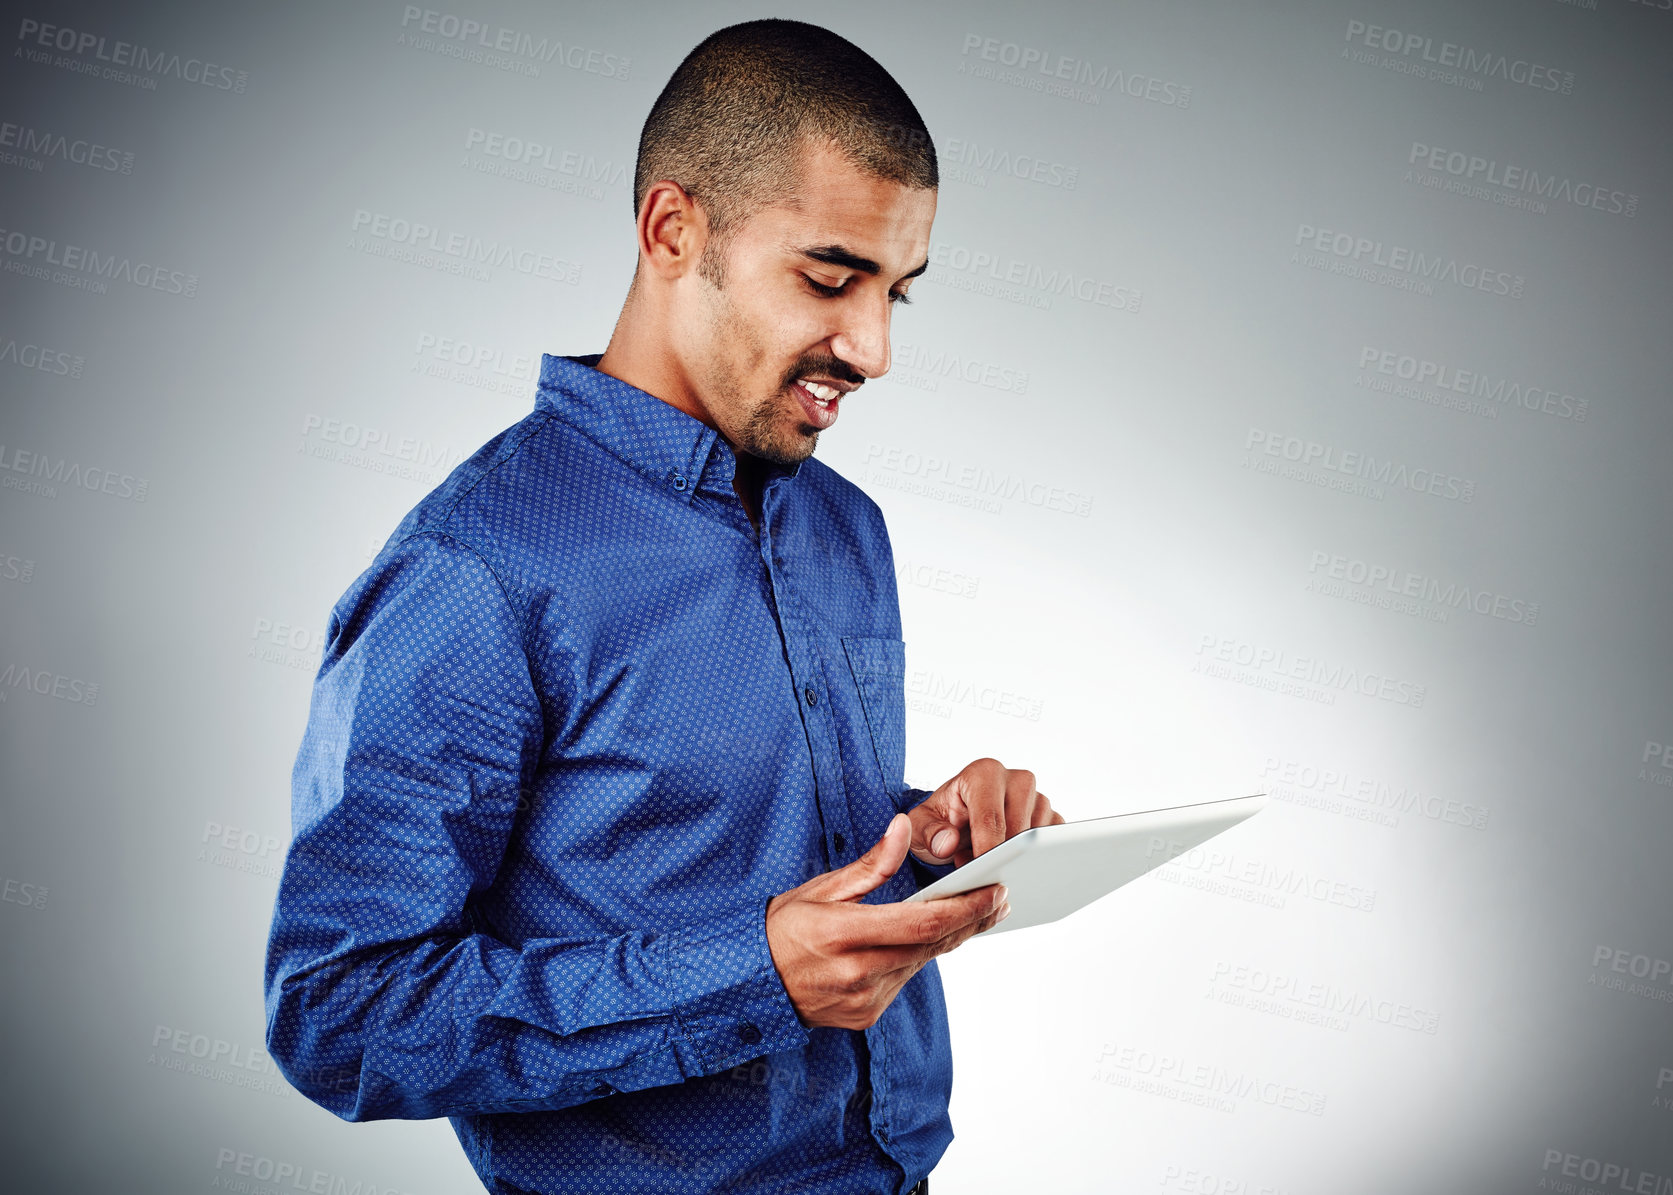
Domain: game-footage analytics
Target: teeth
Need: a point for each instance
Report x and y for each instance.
(822, 392)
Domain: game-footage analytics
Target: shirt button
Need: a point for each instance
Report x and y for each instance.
(748, 1033)
(680, 482)
(839, 842)
(812, 697)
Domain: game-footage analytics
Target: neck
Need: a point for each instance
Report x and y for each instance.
(639, 354)
(748, 480)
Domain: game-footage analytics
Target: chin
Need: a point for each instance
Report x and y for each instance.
(788, 450)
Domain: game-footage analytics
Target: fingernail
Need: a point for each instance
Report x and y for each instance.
(1004, 912)
(1003, 895)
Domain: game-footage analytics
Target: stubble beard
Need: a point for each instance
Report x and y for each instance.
(761, 432)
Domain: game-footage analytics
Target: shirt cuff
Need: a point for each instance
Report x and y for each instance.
(728, 994)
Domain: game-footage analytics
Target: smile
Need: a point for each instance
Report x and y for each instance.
(819, 401)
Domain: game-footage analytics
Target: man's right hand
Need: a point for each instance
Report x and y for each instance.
(841, 960)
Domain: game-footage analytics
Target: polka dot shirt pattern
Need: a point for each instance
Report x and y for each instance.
(573, 728)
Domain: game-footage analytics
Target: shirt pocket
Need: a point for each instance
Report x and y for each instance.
(879, 668)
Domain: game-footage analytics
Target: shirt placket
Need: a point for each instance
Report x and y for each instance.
(813, 694)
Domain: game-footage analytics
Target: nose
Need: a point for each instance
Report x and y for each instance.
(863, 340)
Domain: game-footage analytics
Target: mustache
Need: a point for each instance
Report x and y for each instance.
(829, 367)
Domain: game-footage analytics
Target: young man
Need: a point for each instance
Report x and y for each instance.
(597, 739)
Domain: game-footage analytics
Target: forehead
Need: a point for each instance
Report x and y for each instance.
(837, 203)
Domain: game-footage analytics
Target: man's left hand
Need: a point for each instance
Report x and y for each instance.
(975, 811)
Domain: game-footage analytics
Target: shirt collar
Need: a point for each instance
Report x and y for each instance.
(658, 439)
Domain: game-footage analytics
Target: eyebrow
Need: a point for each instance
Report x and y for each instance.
(837, 255)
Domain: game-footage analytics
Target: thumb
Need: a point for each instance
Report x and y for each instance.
(934, 840)
(876, 865)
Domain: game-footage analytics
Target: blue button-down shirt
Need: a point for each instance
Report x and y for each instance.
(573, 728)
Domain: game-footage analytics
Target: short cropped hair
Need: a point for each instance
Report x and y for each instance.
(731, 123)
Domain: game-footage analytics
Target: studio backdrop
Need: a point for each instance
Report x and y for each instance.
(1285, 409)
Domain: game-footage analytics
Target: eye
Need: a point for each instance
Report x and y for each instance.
(831, 292)
(819, 288)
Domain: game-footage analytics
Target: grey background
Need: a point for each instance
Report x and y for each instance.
(178, 511)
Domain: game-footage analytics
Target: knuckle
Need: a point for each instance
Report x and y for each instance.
(985, 768)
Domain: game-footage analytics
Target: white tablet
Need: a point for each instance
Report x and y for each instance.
(1050, 871)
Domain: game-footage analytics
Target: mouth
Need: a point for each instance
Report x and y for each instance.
(819, 399)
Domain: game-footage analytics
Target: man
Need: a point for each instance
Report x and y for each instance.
(598, 737)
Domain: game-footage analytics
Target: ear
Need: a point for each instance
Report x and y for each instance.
(672, 230)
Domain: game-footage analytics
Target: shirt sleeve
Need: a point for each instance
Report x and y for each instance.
(924, 873)
(384, 998)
